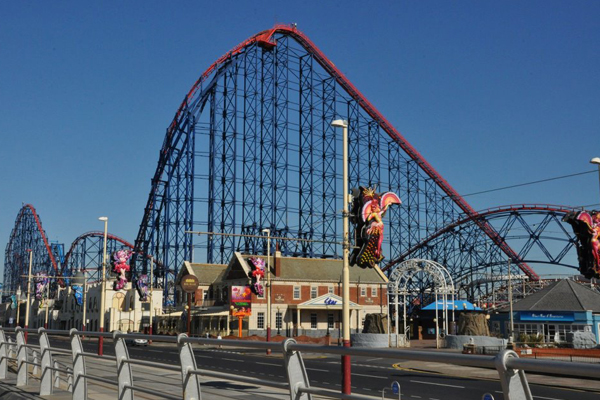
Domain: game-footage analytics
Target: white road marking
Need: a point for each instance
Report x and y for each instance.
(316, 369)
(275, 365)
(372, 376)
(231, 359)
(546, 398)
(438, 384)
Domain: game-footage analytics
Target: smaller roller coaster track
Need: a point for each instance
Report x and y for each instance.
(86, 253)
(27, 235)
(535, 231)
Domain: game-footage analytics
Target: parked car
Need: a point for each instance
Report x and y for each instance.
(136, 342)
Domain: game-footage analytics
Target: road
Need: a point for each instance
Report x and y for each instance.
(369, 376)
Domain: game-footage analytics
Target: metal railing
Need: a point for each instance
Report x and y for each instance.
(511, 369)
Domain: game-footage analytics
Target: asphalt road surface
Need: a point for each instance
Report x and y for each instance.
(369, 376)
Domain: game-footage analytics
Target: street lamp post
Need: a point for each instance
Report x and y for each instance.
(151, 298)
(47, 301)
(596, 160)
(346, 370)
(268, 232)
(28, 293)
(510, 302)
(103, 288)
(18, 305)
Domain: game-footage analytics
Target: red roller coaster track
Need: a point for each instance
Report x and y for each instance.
(265, 39)
(41, 231)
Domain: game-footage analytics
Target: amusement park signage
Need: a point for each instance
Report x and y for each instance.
(547, 316)
(189, 283)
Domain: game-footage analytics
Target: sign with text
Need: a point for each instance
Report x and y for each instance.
(241, 298)
(189, 283)
(547, 316)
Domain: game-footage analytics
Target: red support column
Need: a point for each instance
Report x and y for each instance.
(346, 371)
(101, 342)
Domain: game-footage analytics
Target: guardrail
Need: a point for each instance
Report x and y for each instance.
(511, 369)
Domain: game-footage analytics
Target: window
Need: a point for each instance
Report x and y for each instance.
(363, 291)
(313, 321)
(278, 320)
(313, 292)
(296, 292)
(330, 321)
(374, 291)
(330, 290)
(260, 320)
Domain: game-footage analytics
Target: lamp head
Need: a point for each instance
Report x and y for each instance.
(595, 160)
(340, 123)
(103, 219)
(266, 230)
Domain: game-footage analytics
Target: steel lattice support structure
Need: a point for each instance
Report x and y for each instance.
(86, 254)
(535, 231)
(26, 235)
(252, 147)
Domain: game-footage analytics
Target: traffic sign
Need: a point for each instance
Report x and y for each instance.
(487, 396)
(396, 387)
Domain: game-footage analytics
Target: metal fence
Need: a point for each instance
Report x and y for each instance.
(39, 360)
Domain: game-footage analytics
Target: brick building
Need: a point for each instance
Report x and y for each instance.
(305, 296)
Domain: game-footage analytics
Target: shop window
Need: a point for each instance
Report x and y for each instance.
(260, 320)
(278, 320)
(313, 321)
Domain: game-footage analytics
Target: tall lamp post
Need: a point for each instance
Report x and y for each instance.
(28, 293)
(103, 288)
(151, 298)
(268, 232)
(18, 305)
(596, 160)
(346, 371)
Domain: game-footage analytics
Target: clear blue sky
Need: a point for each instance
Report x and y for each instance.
(492, 93)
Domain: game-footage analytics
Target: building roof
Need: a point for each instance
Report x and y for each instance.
(307, 269)
(206, 273)
(564, 295)
(325, 302)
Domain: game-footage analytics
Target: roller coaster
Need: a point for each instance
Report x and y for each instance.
(251, 147)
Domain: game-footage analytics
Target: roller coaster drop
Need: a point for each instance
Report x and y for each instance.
(251, 147)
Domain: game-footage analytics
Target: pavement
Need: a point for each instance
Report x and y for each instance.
(159, 380)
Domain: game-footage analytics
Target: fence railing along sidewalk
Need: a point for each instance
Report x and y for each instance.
(511, 369)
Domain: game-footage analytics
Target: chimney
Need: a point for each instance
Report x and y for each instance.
(277, 263)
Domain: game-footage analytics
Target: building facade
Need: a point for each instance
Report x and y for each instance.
(305, 296)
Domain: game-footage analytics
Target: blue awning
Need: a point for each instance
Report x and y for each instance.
(457, 305)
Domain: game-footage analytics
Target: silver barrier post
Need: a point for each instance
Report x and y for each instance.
(36, 360)
(56, 375)
(79, 381)
(514, 382)
(296, 372)
(3, 355)
(22, 366)
(46, 387)
(191, 382)
(124, 374)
